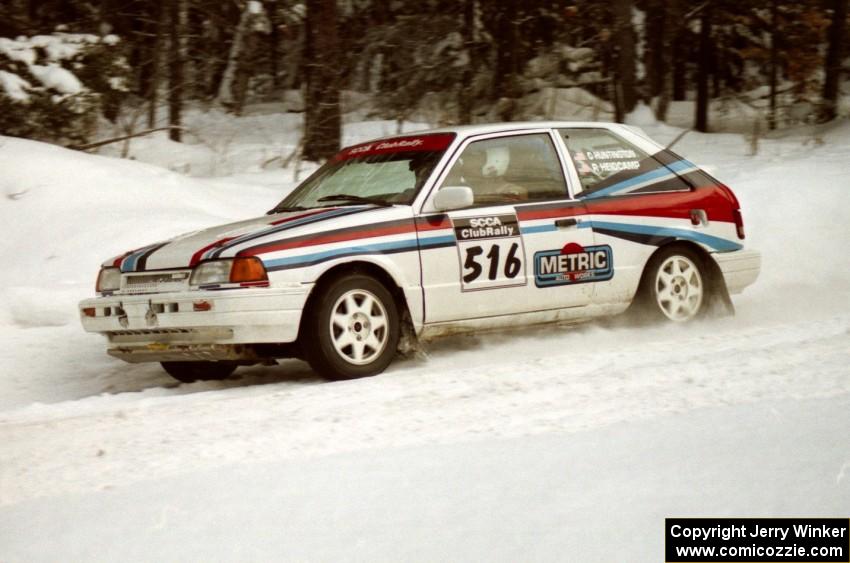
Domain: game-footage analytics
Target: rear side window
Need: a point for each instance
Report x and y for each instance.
(608, 165)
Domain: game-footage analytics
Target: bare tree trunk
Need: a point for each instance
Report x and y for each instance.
(654, 51)
(680, 69)
(234, 84)
(258, 23)
(322, 118)
(504, 75)
(670, 32)
(274, 44)
(156, 64)
(625, 63)
(774, 65)
(834, 57)
(176, 53)
(466, 90)
(225, 89)
(703, 69)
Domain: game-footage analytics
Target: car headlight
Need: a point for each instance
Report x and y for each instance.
(231, 270)
(109, 279)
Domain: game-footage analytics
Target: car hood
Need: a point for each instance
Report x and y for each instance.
(252, 236)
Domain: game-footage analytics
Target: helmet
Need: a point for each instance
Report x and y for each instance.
(498, 159)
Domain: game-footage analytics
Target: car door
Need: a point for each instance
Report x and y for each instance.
(520, 247)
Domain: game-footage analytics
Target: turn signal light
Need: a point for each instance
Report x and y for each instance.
(249, 269)
(89, 311)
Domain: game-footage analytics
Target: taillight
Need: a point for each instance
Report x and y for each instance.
(739, 223)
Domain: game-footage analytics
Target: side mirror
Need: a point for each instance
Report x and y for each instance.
(453, 197)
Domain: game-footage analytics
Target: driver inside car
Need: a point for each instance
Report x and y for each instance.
(483, 170)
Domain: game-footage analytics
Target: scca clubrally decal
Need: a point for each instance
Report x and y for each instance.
(573, 264)
(491, 226)
(490, 251)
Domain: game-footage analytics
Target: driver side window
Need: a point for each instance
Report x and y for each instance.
(509, 170)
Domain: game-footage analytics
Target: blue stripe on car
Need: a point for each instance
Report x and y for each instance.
(717, 243)
(375, 248)
(654, 176)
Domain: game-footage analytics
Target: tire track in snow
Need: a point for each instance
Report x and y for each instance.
(91, 445)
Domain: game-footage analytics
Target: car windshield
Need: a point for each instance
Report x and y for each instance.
(381, 172)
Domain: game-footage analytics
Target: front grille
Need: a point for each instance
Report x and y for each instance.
(159, 282)
(155, 336)
(152, 332)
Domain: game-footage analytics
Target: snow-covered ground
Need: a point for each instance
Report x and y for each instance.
(548, 444)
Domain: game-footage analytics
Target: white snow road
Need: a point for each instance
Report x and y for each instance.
(600, 495)
(547, 381)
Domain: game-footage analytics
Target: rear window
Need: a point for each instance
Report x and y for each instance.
(608, 165)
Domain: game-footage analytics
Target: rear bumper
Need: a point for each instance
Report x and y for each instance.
(740, 268)
(176, 326)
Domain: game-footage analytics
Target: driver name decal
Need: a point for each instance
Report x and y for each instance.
(573, 264)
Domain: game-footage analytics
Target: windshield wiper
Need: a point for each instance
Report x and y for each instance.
(286, 209)
(355, 199)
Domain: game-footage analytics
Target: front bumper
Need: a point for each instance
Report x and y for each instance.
(205, 325)
(740, 268)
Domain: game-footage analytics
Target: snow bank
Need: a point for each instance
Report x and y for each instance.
(219, 144)
(55, 77)
(566, 104)
(17, 50)
(14, 86)
(65, 212)
(641, 116)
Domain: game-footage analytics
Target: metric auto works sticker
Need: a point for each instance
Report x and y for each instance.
(573, 264)
(490, 252)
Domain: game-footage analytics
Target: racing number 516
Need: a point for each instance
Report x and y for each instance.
(511, 268)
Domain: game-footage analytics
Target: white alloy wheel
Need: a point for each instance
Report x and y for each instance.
(679, 288)
(358, 327)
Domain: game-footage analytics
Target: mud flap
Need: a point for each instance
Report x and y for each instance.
(720, 302)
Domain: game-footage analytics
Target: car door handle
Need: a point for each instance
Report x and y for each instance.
(566, 223)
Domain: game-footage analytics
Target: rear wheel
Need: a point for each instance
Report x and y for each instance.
(674, 286)
(352, 328)
(188, 372)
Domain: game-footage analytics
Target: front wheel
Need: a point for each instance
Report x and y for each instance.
(352, 328)
(674, 286)
(189, 372)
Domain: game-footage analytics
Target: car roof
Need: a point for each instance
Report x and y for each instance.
(464, 131)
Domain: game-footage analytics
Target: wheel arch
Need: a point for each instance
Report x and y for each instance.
(367, 268)
(720, 301)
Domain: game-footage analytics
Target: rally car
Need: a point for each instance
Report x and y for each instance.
(407, 238)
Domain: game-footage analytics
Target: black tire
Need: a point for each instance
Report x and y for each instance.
(189, 372)
(685, 299)
(323, 342)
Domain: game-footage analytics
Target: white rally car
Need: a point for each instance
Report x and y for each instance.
(427, 234)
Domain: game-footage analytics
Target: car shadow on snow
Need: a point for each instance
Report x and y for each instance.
(144, 378)
(452, 352)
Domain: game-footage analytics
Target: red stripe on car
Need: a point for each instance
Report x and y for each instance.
(329, 239)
